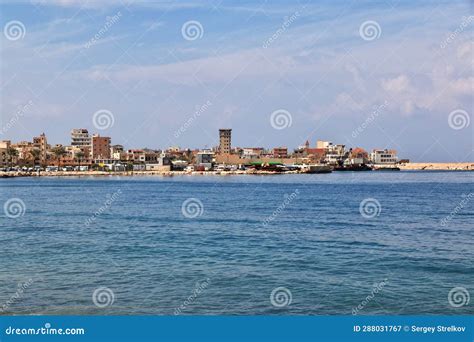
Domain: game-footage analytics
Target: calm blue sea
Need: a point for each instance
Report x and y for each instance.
(223, 244)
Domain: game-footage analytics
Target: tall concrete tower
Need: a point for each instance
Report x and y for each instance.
(225, 140)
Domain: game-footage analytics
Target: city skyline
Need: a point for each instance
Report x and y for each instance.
(278, 75)
(75, 135)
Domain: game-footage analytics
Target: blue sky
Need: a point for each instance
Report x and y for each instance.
(250, 59)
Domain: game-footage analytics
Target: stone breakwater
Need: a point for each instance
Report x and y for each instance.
(438, 166)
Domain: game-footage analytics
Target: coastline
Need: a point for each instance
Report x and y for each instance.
(468, 166)
(403, 167)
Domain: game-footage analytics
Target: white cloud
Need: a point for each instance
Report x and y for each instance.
(398, 84)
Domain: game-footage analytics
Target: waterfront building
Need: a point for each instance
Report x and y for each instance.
(179, 165)
(23, 149)
(100, 147)
(80, 138)
(315, 155)
(225, 136)
(142, 156)
(334, 154)
(135, 156)
(385, 156)
(139, 167)
(252, 152)
(117, 152)
(280, 152)
(41, 143)
(162, 163)
(4, 157)
(205, 159)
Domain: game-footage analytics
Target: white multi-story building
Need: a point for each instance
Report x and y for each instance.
(334, 153)
(80, 138)
(383, 156)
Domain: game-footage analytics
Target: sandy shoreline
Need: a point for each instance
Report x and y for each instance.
(403, 167)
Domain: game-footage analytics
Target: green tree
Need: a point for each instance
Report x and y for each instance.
(59, 152)
(35, 153)
(11, 152)
(78, 157)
